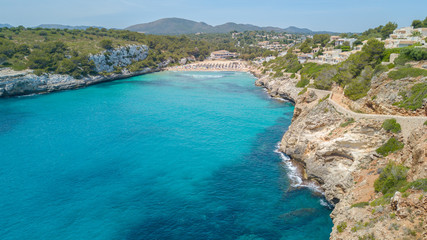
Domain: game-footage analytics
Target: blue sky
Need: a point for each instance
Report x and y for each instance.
(331, 15)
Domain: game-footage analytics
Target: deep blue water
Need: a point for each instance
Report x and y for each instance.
(159, 156)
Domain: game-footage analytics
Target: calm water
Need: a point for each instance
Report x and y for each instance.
(160, 156)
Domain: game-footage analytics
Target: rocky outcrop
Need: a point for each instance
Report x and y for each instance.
(29, 83)
(280, 87)
(16, 83)
(338, 153)
(110, 60)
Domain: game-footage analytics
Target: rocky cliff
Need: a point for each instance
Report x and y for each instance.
(338, 153)
(15, 83)
(109, 60)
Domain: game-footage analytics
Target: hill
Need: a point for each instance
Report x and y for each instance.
(60, 26)
(176, 26)
(2, 25)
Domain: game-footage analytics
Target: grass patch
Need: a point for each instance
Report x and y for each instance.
(360, 205)
(390, 125)
(392, 145)
(407, 72)
(341, 227)
(348, 122)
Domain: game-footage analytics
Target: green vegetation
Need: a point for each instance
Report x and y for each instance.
(408, 54)
(379, 32)
(106, 44)
(407, 72)
(354, 74)
(348, 122)
(303, 82)
(419, 23)
(341, 227)
(321, 39)
(392, 145)
(369, 236)
(391, 125)
(288, 63)
(312, 70)
(303, 91)
(391, 179)
(420, 184)
(413, 99)
(324, 98)
(67, 51)
(244, 43)
(360, 205)
(425, 123)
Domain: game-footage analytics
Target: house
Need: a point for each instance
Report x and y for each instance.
(341, 41)
(223, 54)
(302, 58)
(315, 50)
(334, 38)
(406, 36)
(406, 43)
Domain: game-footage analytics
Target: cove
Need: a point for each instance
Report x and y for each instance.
(170, 155)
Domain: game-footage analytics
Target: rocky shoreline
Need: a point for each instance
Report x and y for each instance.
(26, 83)
(338, 154)
(18, 83)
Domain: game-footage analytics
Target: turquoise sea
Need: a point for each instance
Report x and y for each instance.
(168, 155)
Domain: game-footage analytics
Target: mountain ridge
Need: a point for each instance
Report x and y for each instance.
(176, 26)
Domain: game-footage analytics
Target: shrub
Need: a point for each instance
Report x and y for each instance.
(391, 125)
(303, 82)
(106, 44)
(390, 146)
(302, 91)
(341, 227)
(348, 122)
(425, 123)
(369, 236)
(293, 75)
(380, 69)
(420, 184)
(391, 179)
(413, 99)
(360, 205)
(323, 99)
(357, 89)
(407, 72)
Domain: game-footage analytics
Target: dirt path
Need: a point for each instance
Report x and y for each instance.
(408, 123)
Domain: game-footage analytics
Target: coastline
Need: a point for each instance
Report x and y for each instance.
(22, 83)
(334, 150)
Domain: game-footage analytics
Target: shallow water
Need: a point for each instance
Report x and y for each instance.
(161, 156)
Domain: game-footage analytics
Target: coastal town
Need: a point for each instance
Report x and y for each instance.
(316, 132)
(334, 50)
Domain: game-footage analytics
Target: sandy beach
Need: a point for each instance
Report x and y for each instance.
(213, 65)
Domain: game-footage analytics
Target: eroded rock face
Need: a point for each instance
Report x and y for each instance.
(339, 154)
(331, 146)
(108, 60)
(280, 87)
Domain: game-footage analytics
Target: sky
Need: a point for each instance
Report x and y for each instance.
(317, 15)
